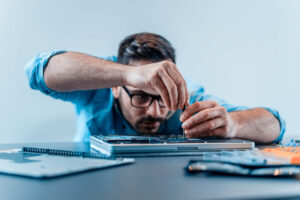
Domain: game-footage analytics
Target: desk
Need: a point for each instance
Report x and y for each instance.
(148, 178)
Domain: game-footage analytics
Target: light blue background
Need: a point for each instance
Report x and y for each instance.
(251, 47)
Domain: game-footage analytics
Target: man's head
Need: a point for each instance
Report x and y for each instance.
(145, 46)
(136, 50)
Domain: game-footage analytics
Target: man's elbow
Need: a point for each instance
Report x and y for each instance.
(274, 129)
(52, 81)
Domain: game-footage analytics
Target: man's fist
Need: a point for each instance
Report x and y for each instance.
(161, 78)
(207, 118)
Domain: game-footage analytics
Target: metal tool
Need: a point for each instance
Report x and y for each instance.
(183, 130)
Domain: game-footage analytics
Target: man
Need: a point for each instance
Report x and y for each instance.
(142, 93)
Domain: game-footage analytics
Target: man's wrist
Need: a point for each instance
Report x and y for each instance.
(127, 72)
(124, 74)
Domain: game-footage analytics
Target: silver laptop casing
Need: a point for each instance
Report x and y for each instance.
(195, 145)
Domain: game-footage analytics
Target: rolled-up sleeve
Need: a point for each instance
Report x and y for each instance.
(281, 122)
(198, 94)
(35, 73)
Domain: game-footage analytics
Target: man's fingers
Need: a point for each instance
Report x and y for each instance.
(202, 135)
(159, 86)
(204, 115)
(181, 96)
(171, 87)
(196, 107)
(187, 103)
(220, 132)
(180, 83)
(202, 129)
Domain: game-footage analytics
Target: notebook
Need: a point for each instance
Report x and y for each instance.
(41, 164)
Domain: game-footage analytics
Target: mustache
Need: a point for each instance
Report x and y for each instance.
(150, 119)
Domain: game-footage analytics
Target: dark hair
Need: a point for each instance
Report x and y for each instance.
(145, 46)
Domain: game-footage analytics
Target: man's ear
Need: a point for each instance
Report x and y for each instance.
(116, 92)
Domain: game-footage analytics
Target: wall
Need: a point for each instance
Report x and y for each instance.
(246, 52)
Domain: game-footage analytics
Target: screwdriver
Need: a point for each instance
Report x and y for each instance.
(187, 104)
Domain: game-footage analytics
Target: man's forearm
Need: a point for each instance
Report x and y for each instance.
(76, 71)
(258, 125)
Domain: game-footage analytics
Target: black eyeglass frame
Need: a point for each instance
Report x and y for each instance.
(154, 97)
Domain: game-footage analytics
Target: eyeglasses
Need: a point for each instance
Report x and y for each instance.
(143, 100)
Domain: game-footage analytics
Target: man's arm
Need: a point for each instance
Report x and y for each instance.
(76, 71)
(72, 71)
(258, 125)
(208, 118)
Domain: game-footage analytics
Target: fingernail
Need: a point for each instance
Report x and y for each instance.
(181, 118)
(187, 132)
(184, 125)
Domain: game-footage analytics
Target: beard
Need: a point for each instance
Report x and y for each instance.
(148, 125)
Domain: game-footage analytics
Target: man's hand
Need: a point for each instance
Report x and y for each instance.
(207, 118)
(162, 78)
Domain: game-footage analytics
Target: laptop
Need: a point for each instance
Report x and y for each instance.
(120, 144)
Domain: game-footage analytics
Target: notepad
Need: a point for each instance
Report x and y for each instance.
(291, 154)
(41, 165)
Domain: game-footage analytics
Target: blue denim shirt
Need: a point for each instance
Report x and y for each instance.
(97, 112)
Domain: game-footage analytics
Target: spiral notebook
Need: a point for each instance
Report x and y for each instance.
(96, 154)
(50, 163)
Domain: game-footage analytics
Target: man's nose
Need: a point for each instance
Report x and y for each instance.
(154, 109)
